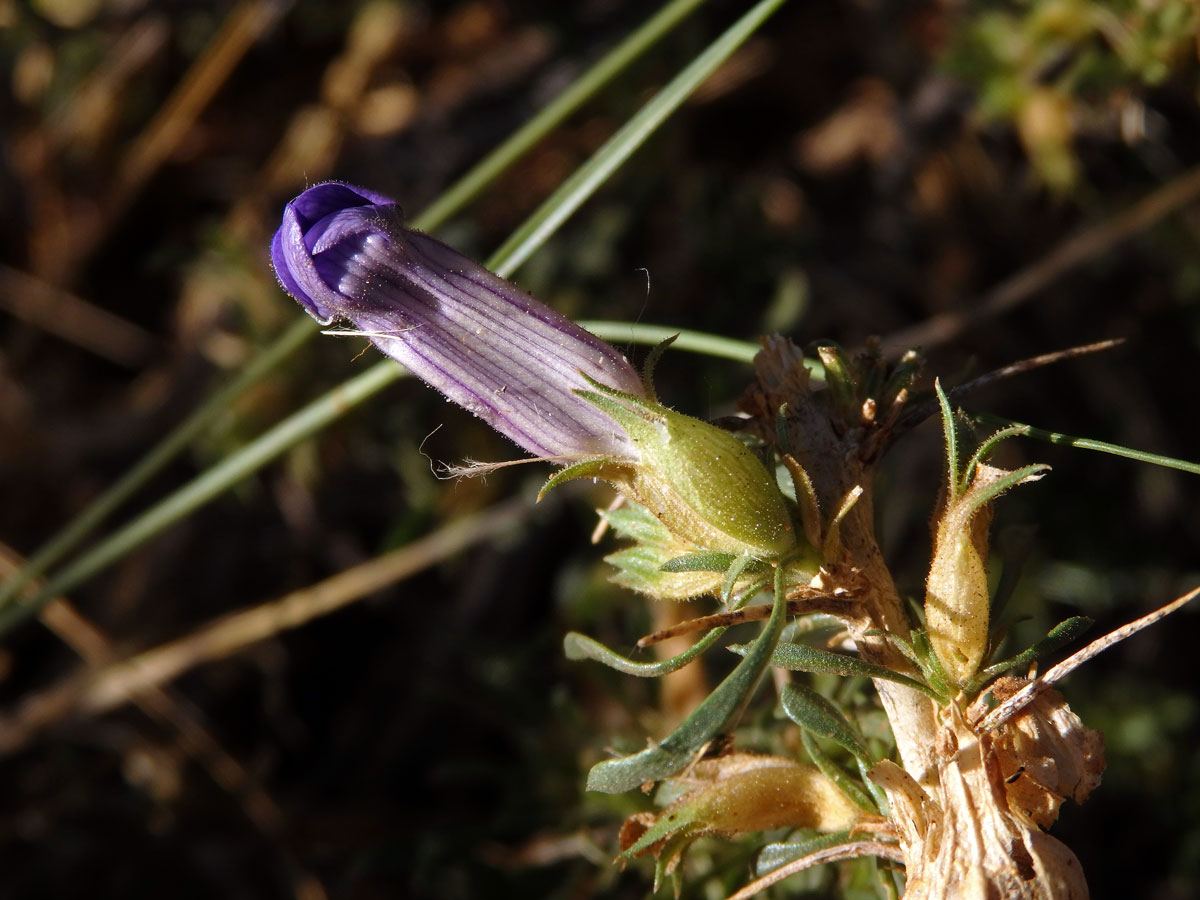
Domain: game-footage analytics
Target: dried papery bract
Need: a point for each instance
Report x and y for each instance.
(738, 794)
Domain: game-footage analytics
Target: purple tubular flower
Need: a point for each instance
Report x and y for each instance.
(345, 254)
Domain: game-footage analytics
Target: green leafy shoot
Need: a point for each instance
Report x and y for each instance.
(929, 664)
(713, 718)
(1062, 634)
(840, 378)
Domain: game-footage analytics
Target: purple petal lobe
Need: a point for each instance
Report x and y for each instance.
(344, 253)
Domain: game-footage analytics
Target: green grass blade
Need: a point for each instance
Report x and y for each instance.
(210, 484)
(200, 420)
(341, 399)
(1054, 437)
(692, 341)
(582, 90)
(581, 184)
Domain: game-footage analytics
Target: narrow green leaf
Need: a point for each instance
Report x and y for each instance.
(803, 658)
(700, 562)
(1062, 634)
(983, 450)
(836, 774)
(772, 856)
(821, 716)
(579, 646)
(714, 717)
(736, 569)
(950, 435)
(1054, 437)
(979, 498)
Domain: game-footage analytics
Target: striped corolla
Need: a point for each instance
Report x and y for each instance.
(346, 255)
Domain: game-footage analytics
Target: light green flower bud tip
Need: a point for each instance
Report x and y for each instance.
(703, 484)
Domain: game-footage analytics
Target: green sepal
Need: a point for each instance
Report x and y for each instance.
(600, 467)
(678, 827)
(700, 481)
(652, 359)
(950, 436)
(705, 561)
(673, 849)
(714, 717)
(978, 496)
(987, 446)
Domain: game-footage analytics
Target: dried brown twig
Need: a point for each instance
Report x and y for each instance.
(1029, 693)
(1071, 253)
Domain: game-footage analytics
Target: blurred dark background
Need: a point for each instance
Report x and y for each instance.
(856, 169)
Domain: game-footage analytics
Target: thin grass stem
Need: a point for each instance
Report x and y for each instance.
(584, 181)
